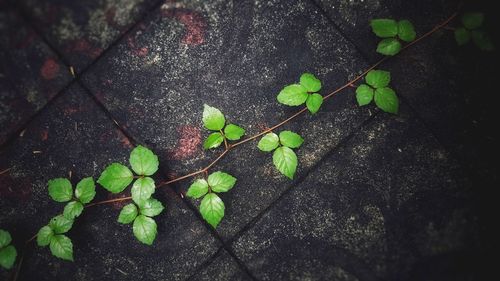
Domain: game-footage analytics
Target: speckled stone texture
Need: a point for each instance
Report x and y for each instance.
(375, 197)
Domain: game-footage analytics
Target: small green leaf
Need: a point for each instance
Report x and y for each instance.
(268, 142)
(291, 139)
(61, 247)
(143, 161)
(389, 47)
(213, 141)
(145, 229)
(60, 224)
(197, 189)
(386, 99)
(221, 182)
(314, 102)
(5, 238)
(310, 82)
(406, 31)
(44, 236)
(462, 36)
(73, 209)
(482, 40)
(472, 20)
(212, 209)
(384, 28)
(8, 257)
(115, 178)
(364, 94)
(233, 132)
(142, 189)
(285, 161)
(128, 213)
(60, 190)
(378, 78)
(293, 95)
(85, 190)
(151, 207)
(213, 119)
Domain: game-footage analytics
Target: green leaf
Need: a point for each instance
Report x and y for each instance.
(291, 139)
(197, 189)
(143, 161)
(314, 102)
(8, 256)
(44, 236)
(406, 31)
(293, 95)
(213, 141)
(73, 209)
(472, 20)
(310, 82)
(384, 28)
(389, 47)
(268, 142)
(233, 132)
(62, 247)
(128, 213)
(378, 78)
(60, 224)
(115, 178)
(462, 36)
(85, 190)
(386, 99)
(285, 161)
(482, 40)
(364, 94)
(142, 189)
(213, 119)
(212, 209)
(60, 190)
(221, 182)
(145, 229)
(5, 238)
(151, 207)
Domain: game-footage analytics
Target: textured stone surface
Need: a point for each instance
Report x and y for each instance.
(30, 73)
(73, 136)
(82, 30)
(223, 267)
(369, 213)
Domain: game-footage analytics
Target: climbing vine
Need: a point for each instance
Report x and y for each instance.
(140, 212)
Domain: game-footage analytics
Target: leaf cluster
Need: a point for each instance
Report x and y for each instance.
(214, 120)
(392, 32)
(284, 158)
(471, 29)
(304, 92)
(378, 90)
(8, 252)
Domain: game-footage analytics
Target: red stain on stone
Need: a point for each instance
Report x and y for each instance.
(138, 51)
(15, 188)
(188, 144)
(49, 69)
(83, 46)
(124, 140)
(70, 110)
(44, 135)
(194, 23)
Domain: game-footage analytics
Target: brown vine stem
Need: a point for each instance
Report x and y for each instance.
(229, 147)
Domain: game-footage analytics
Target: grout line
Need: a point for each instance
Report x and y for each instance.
(205, 264)
(300, 180)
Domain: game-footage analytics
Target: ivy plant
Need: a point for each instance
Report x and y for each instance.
(8, 252)
(304, 92)
(214, 120)
(284, 158)
(392, 32)
(211, 206)
(378, 90)
(141, 213)
(471, 29)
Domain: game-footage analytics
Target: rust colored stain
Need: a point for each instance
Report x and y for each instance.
(188, 144)
(138, 51)
(194, 23)
(83, 46)
(44, 135)
(124, 140)
(70, 110)
(49, 69)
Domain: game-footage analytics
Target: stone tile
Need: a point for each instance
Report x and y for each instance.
(385, 205)
(223, 267)
(74, 136)
(353, 17)
(30, 73)
(81, 30)
(158, 95)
